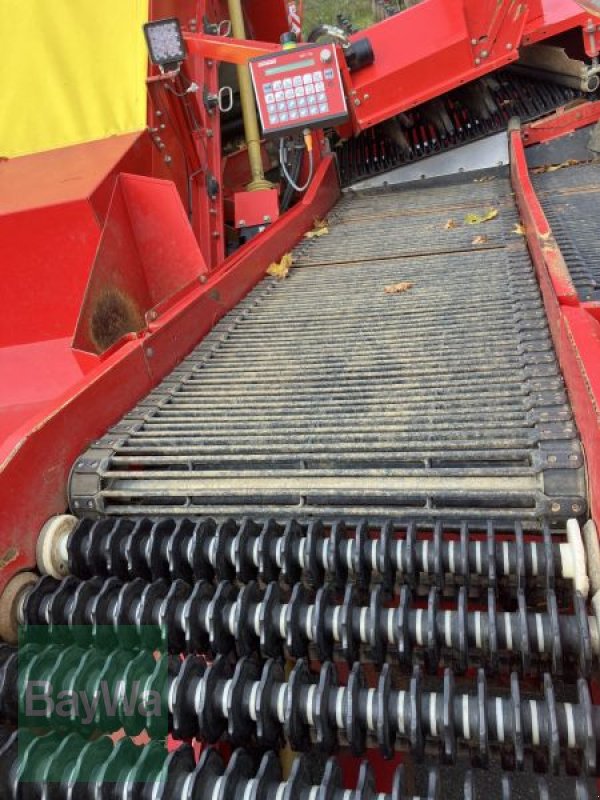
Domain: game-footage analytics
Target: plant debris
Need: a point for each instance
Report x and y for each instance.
(399, 288)
(477, 219)
(320, 228)
(519, 230)
(450, 225)
(485, 179)
(280, 269)
(572, 162)
(480, 240)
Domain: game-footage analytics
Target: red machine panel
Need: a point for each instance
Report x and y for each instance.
(299, 88)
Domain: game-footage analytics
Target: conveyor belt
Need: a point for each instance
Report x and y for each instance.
(571, 200)
(324, 395)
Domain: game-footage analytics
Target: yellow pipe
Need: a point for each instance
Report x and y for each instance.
(258, 181)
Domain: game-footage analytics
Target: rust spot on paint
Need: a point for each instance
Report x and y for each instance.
(8, 557)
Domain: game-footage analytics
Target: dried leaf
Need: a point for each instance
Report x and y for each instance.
(320, 228)
(280, 269)
(572, 162)
(519, 230)
(477, 219)
(480, 240)
(450, 225)
(485, 179)
(399, 288)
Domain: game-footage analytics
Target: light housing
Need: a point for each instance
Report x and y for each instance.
(165, 42)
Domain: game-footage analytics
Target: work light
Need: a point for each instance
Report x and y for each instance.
(165, 42)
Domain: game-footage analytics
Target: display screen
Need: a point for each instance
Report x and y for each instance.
(291, 67)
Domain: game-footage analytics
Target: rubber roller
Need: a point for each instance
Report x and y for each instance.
(63, 767)
(248, 702)
(221, 618)
(394, 553)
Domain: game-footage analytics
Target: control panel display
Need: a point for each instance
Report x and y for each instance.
(299, 88)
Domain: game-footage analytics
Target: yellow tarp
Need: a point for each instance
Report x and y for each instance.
(72, 71)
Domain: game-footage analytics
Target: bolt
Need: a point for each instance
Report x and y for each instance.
(168, 159)
(478, 61)
(159, 113)
(203, 279)
(242, 223)
(573, 457)
(209, 133)
(152, 314)
(357, 102)
(509, 46)
(576, 508)
(149, 352)
(484, 54)
(76, 504)
(162, 126)
(555, 507)
(209, 63)
(267, 218)
(216, 235)
(81, 465)
(473, 42)
(552, 459)
(366, 97)
(90, 504)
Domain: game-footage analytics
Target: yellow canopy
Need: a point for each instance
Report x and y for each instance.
(72, 71)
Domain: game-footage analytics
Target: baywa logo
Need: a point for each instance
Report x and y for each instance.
(112, 701)
(81, 692)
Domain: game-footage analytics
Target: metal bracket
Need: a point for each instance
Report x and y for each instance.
(546, 459)
(212, 186)
(213, 101)
(556, 431)
(222, 28)
(560, 508)
(85, 481)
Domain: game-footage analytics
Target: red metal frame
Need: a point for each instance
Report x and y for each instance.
(575, 326)
(562, 122)
(35, 460)
(437, 45)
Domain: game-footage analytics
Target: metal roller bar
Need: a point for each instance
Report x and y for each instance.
(149, 772)
(223, 618)
(570, 197)
(465, 115)
(398, 552)
(253, 702)
(323, 395)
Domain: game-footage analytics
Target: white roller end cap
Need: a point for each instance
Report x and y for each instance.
(51, 550)
(579, 566)
(592, 552)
